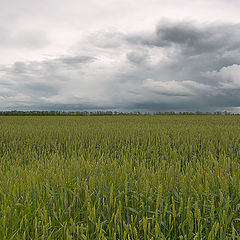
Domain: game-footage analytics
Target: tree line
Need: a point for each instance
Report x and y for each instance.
(103, 113)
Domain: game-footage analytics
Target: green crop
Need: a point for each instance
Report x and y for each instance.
(120, 177)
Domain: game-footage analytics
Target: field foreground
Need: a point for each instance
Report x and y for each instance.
(120, 177)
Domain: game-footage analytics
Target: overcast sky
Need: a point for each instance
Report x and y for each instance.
(121, 55)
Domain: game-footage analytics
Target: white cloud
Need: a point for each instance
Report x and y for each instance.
(176, 88)
(228, 77)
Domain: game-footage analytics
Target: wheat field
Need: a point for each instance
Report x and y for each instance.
(120, 177)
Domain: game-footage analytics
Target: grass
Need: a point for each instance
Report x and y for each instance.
(120, 177)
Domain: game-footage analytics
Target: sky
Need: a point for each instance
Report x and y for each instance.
(120, 55)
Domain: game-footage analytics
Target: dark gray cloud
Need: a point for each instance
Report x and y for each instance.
(137, 57)
(200, 65)
(194, 46)
(39, 89)
(75, 60)
(33, 83)
(191, 38)
(181, 66)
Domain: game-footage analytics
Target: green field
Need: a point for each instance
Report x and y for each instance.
(120, 177)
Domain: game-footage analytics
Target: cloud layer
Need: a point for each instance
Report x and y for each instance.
(180, 66)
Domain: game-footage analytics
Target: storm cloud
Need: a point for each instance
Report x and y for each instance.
(170, 65)
(196, 63)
